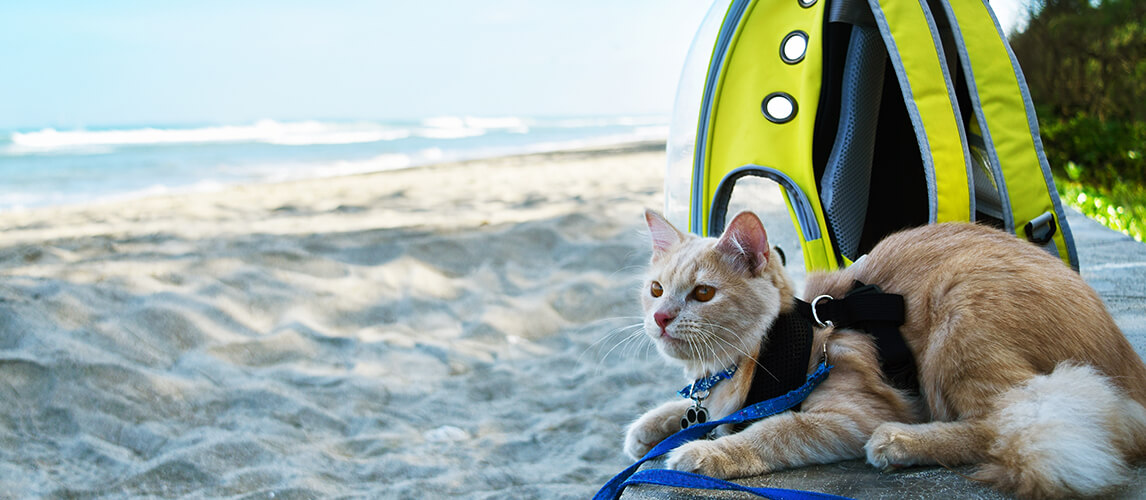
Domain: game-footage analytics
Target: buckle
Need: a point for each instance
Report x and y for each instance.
(1041, 229)
(816, 315)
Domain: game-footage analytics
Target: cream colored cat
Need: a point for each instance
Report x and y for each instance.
(1021, 369)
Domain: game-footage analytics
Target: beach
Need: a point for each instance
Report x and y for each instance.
(459, 330)
(456, 330)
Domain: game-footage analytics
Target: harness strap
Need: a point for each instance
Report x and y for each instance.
(864, 304)
(612, 489)
(869, 309)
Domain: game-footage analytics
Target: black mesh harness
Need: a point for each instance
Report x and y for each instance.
(785, 354)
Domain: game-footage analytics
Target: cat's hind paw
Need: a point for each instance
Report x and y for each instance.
(889, 447)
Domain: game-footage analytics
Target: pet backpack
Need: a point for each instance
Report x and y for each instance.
(871, 115)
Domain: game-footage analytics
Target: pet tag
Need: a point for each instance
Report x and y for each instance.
(696, 414)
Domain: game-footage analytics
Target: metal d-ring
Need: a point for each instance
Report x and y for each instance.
(816, 316)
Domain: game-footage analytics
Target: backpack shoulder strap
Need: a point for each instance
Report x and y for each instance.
(929, 93)
(1005, 118)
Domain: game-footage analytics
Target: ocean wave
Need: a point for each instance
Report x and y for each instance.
(459, 127)
(300, 133)
(294, 133)
(450, 133)
(611, 121)
(474, 122)
(42, 172)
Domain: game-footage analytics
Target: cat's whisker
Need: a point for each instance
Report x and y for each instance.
(635, 335)
(632, 340)
(597, 322)
(738, 349)
(708, 342)
(621, 329)
(628, 337)
(722, 345)
(711, 347)
(640, 269)
(693, 341)
(615, 331)
(695, 349)
(623, 341)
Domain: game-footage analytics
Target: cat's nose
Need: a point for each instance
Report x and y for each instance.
(663, 319)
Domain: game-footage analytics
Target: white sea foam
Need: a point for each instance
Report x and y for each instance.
(450, 132)
(348, 137)
(455, 122)
(265, 131)
(459, 127)
(624, 121)
(296, 133)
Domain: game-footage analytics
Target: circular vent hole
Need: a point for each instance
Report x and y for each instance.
(794, 46)
(779, 107)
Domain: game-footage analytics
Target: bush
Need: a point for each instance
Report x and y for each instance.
(1100, 169)
(1085, 65)
(1103, 153)
(1121, 208)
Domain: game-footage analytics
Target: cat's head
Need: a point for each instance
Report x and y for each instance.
(708, 302)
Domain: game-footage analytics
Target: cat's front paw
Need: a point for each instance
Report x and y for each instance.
(643, 435)
(638, 441)
(890, 446)
(653, 427)
(708, 458)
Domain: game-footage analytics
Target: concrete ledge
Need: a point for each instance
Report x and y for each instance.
(1114, 264)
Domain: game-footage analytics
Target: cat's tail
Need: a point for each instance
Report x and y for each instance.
(1066, 434)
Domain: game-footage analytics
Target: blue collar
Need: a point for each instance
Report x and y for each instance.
(706, 383)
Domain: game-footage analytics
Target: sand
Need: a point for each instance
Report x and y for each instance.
(459, 330)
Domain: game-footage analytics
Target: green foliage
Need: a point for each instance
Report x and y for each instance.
(1122, 208)
(1100, 169)
(1084, 57)
(1085, 64)
(1096, 152)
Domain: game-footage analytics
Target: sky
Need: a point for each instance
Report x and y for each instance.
(76, 63)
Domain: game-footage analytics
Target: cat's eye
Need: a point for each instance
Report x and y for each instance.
(703, 293)
(656, 289)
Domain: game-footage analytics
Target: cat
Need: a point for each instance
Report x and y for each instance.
(1021, 370)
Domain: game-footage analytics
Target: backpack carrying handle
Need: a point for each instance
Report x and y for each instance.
(805, 214)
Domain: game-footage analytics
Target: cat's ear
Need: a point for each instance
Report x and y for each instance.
(664, 235)
(746, 241)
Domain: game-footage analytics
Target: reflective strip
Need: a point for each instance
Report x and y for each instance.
(930, 98)
(798, 202)
(699, 197)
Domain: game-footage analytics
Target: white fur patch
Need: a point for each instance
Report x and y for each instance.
(1053, 429)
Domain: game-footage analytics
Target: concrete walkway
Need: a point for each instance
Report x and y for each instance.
(1114, 264)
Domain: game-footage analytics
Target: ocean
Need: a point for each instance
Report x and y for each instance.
(47, 167)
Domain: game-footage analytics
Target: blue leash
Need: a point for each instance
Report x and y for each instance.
(612, 489)
(679, 479)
